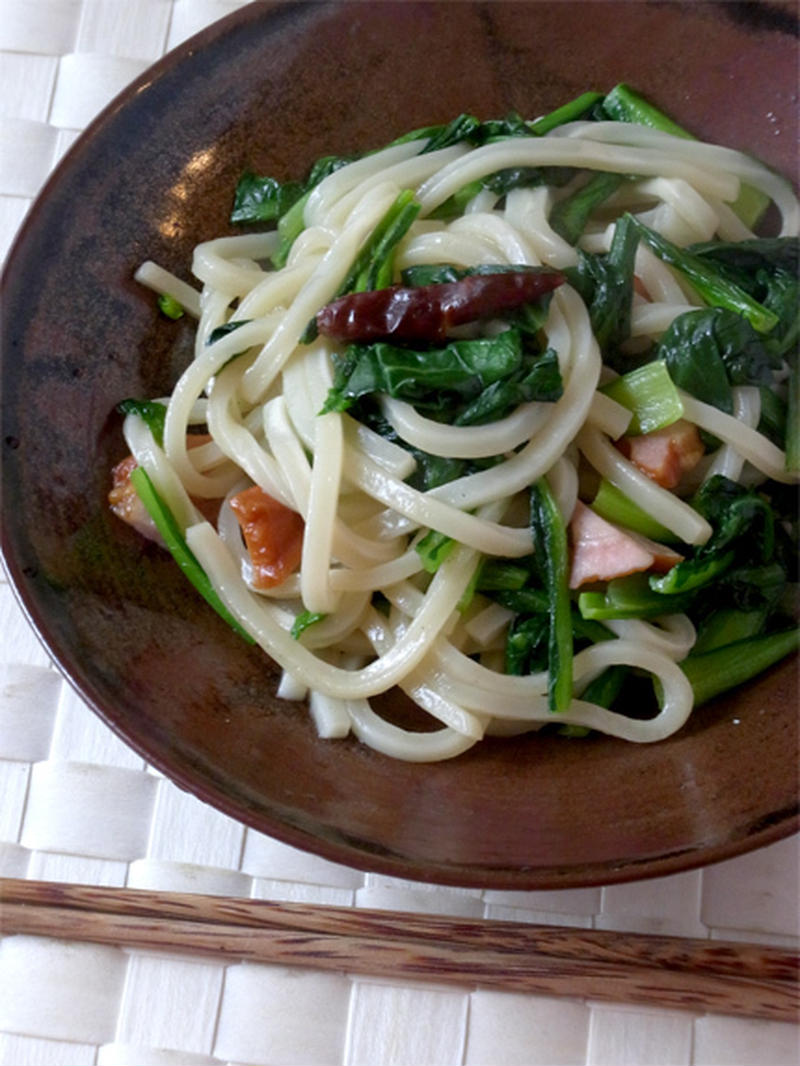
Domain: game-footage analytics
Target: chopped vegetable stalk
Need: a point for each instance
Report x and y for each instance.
(433, 549)
(525, 600)
(570, 112)
(175, 541)
(649, 392)
(624, 104)
(550, 547)
(303, 621)
(629, 597)
(715, 288)
(772, 420)
(724, 668)
(169, 306)
(612, 504)
(727, 626)
(290, 226)
(373, 266)
(570, 215)
(495, 575)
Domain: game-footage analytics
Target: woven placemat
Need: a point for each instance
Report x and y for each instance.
(77, 805)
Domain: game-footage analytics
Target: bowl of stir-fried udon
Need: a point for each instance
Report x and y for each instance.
(401, 441)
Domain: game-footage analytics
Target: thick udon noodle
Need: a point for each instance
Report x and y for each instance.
(362, 519)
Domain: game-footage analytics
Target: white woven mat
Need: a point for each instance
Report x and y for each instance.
(77, 805)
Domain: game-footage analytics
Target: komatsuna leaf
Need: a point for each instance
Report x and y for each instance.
(263, 199)
(605, 283)
(768, 268)
(551, 554)
(462, 367)
(539, 380)
(709, 350)
(744, 534)
(153, 413)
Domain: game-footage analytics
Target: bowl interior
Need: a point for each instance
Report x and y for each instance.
(274, 87)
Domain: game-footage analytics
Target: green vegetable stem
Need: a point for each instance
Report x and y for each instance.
(717, 671)
(179, 549)
(550, 550)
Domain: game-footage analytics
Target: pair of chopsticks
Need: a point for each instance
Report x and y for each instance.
(665, 971)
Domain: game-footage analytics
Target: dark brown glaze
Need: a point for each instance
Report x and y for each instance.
(274, 87)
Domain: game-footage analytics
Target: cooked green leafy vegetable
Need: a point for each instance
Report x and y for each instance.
(431, 309)
(606, 284)
(744, 532)
(570, 215)
(170, 307)
(467, 381)
(724, 668)
(433, 549)
(715, 287)
(708, 351)
(552, 559)
(263, 199)
(303, 620)
(153, 413)
(650, 394)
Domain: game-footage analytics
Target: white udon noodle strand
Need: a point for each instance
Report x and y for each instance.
(729, 460)
(713, 157)
(747, 442)
(265, 391)
(447, 587)
(661, 504)
(563, 151)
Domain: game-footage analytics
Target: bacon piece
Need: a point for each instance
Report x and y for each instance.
(125, 503)
(602, 551)
(638, 286)
(273, 534)
(665, 455)
(425, 313)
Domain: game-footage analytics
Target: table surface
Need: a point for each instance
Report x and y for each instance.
(75, 1004)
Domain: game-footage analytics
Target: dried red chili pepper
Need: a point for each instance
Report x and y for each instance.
(427, 312)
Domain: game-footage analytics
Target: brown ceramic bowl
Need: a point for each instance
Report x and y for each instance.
(275, 87)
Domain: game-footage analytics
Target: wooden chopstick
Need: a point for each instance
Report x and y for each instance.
(676, 972)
